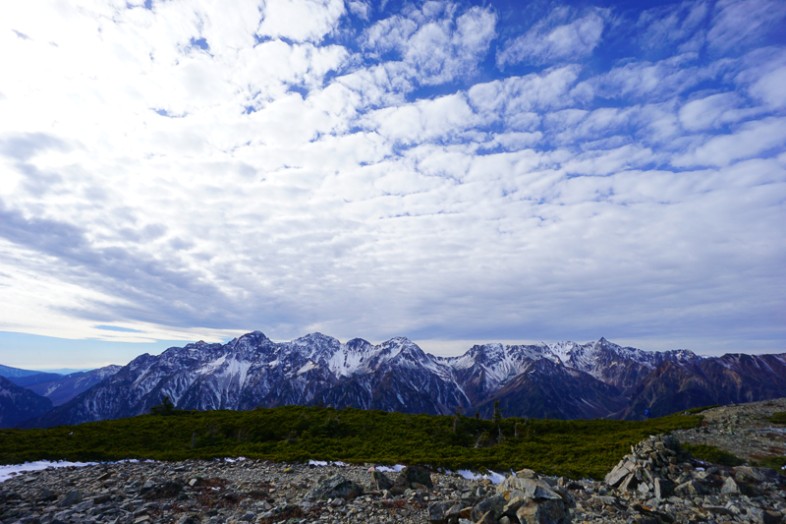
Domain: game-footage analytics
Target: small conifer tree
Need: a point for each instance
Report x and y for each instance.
(165, 408)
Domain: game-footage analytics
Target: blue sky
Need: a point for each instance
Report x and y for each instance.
(455, 172)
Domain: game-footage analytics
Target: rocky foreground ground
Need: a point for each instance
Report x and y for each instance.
(654, 484)
(744, 430)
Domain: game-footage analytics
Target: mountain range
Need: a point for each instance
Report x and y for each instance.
(565, 380)
(26, 394)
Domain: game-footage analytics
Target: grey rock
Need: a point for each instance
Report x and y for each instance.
(549, 511)
(333, 487)
(46, 495)
(664, 488)
(691, 488)
(773, 517)
(629, 483)
(620, 471)
(71, 498)
(442, 511)
(413, 477)
(719, 510)
(730, 487)
(747, 473)
(380, 481)
(650, 513)
(494, 505)
(168, 488)
(531, 488)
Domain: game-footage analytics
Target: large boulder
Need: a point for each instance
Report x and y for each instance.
(412, 477)
(530, 499)
(335, 487)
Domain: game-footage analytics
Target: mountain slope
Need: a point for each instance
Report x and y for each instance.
(62, 388)
(18, 404)
(547, 389)
(8, 372)
(730, 379)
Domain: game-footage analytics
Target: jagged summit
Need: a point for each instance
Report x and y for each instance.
(561, 380)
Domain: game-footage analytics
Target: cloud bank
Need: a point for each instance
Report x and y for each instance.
(442, 170)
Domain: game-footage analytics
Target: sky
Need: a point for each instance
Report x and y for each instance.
(453, 172)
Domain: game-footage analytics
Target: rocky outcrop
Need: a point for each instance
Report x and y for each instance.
(521, 498)
(744, 430)
(660, 482)
(648, 469)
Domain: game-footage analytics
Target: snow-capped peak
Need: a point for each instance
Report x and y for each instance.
(563, 350)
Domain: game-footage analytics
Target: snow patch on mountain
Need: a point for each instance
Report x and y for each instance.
(308, 366)
(212, 366)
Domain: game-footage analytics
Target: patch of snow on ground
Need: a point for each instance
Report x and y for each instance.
(493, 476)
(6, 472)
(390, 469)
(323, 463)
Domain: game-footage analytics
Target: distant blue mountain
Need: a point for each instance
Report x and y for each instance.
(18, 404)
(9, 372)
(58, 388)
(62, 388)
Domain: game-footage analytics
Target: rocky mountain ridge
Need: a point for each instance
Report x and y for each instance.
(566, 380)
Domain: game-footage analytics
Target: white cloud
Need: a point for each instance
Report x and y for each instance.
(522, 94)
(741, 23)
(708, 112)
(359, 8)
(652, 81)
(425, 120)
(750, 140)
(564, 35)
(608, 161)
(300, 20)
(770, 88)
(270, 69)
(663, 27)
(436, 44)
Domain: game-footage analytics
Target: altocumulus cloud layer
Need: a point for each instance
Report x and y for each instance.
(449, 171)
